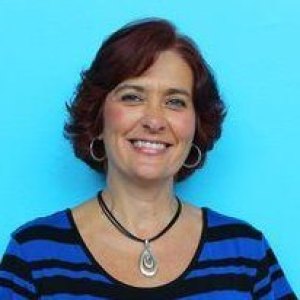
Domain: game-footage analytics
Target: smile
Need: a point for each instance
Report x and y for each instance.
(151, 147)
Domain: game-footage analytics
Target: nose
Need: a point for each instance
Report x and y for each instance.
(153, 120)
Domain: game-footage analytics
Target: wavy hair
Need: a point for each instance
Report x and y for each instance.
(128, 53)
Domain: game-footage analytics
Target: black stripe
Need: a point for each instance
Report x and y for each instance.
(227, 262)
(290, 296)
(17, 266)
(276, 275)
(238, 282)
(266, 289)
(263, 291)
(196, 286)
(17, 289)
(268, 261)
(43, 232)
(75, 286)
(55, 263)
(223, 232)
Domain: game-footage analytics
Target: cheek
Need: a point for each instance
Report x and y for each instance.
(112, 117)
(118, 119)
(185, 127)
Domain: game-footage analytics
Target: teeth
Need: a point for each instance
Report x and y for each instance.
(147, 144)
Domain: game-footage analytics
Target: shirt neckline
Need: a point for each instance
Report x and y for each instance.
(97, 265)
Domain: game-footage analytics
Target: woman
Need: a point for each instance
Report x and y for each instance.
(145, 114)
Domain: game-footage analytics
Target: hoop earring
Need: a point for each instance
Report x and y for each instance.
(95, 157)
(196, 163)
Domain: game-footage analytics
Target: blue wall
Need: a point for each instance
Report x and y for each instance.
(253, 46)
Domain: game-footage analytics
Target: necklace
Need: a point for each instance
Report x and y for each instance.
(147, 263)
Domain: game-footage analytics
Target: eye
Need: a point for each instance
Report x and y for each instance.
(131, 98)
(176, 103)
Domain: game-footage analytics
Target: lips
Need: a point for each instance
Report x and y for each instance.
(150, 142)
(149, 146)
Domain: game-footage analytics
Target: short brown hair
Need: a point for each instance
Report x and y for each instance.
(128, 53)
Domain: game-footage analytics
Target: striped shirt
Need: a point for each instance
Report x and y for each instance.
(47, 259)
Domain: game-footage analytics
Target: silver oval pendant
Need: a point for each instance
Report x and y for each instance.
(148, 263)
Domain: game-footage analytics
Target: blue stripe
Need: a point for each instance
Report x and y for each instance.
(262, 283)
(217, 295)
(13, 248)
(71, 297)
(56, 220)
(281, 287)
(17, 280)
(237, 247)
(70, 274)
(6, 293)
(50, 249)
(216, 219)
(221, 271)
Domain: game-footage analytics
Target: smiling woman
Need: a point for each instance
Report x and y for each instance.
(145, 114)
(149, 122)
(125, 56)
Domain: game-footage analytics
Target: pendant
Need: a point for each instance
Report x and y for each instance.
(148, 263)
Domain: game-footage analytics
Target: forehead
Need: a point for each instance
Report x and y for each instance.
(168, 71)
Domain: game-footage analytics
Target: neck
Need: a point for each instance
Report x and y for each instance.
(142, 209)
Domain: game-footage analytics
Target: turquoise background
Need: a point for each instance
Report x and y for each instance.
(254, 48)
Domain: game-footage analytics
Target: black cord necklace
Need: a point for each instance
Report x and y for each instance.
(147, 262)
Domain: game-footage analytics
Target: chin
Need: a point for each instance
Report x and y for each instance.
(152, 176)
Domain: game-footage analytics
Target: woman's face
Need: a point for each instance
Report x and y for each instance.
(149, 121)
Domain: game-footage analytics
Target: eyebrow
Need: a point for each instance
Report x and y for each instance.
(129, 86)
(170, 91)
(173, 91)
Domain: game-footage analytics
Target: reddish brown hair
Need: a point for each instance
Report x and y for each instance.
(128, 53)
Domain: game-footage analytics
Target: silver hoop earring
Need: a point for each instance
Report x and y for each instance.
(95, 157)
(196, 163)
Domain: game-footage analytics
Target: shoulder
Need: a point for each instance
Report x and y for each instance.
(234, 237)
(235, 243)
(46, 227)
(218, 220)
(222, 225)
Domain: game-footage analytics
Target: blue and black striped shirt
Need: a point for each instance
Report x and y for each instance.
(47, 259)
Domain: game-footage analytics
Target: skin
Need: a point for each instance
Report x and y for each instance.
(156, 106)
(151, 113)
